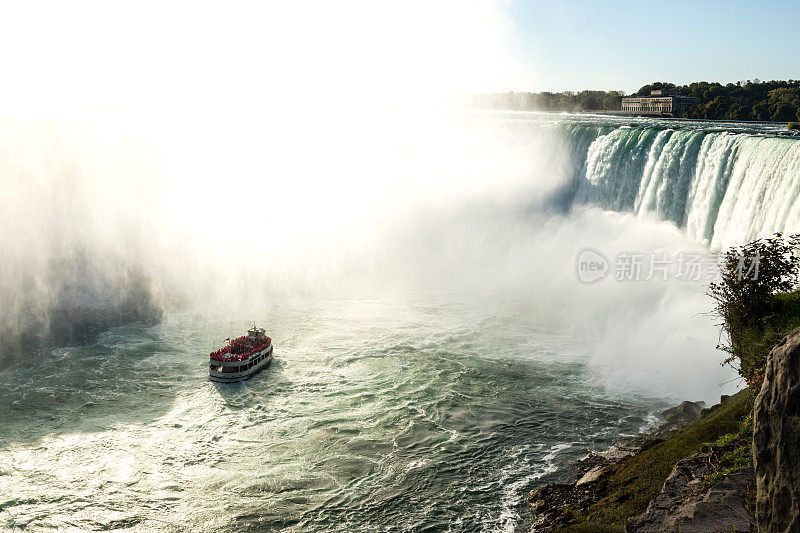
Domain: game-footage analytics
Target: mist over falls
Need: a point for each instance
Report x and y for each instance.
(78, 211)
(101, 230)
(436, 354)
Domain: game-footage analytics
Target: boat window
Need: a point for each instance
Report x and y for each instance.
(216, 368)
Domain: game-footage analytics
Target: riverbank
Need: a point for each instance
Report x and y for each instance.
(618, 485)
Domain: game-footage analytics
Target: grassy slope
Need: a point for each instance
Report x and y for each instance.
(630, 484)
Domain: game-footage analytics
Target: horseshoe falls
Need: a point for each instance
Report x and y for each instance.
(436, 354)
(723, 187)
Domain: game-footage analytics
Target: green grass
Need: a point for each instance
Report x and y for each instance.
(629, 485)
(729, 463)
(627, 488)
(732, 450)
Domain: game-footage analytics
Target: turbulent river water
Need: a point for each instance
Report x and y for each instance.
(402, 406)
(378, 413)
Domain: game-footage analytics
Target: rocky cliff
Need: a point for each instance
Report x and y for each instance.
(776, 439)
(660, 478)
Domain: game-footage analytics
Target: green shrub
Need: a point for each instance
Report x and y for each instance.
(793, 126)
(756, 302)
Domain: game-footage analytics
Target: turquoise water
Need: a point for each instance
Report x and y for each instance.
(379, 413)
(472, 367)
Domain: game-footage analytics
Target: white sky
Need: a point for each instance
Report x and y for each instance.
(167, 56)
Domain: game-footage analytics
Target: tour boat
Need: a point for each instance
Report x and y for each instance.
(242, 357)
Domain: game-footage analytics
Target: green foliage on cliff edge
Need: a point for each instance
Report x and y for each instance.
(758, 302)
(629, 485)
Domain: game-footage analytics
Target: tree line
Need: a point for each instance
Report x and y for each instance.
(777, 101)
(547, 101)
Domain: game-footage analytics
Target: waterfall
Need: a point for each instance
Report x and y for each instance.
(723, 188)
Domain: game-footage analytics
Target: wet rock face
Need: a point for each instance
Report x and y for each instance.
(551, 503)
(687, 505)
(776, 439)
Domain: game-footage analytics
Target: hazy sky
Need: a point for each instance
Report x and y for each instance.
(151, 56)
(620, 44)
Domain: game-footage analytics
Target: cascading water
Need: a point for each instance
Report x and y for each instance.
(725, 188)
(426, 376)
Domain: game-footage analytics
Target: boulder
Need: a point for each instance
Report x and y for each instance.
(776, 439)
(550, 501)
(591, 476)
(683, 414)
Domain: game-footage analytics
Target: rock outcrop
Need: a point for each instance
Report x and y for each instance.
(550, 501)
(688, 505)
(685, 413)
(776, 439)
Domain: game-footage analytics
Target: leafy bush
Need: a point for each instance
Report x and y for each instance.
(794, 126)
(756, 301)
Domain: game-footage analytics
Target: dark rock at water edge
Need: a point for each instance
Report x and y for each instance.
(550, 501)
(776, 439)
(685, 413)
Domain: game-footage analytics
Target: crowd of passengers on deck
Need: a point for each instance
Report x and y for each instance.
(239, 349)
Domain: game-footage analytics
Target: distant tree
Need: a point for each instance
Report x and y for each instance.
(740, 112)
(656, 85)
(761, 110)
(613, 101)
(548, 101)
(783, 104)
(716, 107)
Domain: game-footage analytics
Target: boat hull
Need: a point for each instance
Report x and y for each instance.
(235, 371)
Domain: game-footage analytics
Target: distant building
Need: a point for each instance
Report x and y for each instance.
(661, 103)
